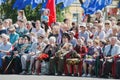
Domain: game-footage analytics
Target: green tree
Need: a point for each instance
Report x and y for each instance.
(7, 11)
(31, 14)
(61, 12)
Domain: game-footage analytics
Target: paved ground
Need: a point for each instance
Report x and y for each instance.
(42, 77)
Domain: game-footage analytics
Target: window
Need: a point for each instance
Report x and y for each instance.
(75, 17)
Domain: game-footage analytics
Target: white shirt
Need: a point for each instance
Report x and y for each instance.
(100, 35)
(115, 50)
(108, 32)
(42, 31)
(7, 47)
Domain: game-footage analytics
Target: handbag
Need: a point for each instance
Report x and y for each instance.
(89, 58)
(42, 56)
(73, 61)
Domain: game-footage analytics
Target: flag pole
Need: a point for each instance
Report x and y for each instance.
(105, 14)
(77, 13)
(1, 11)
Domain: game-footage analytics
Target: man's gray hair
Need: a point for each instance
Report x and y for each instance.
(115, 38)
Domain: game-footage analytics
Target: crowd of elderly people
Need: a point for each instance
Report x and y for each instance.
(64, 48)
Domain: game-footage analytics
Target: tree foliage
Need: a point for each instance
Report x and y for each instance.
(31, 14)
(7, 11)
(60, 13)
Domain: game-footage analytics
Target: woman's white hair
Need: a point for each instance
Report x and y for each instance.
(52, 38)
(115, 27)
(81, 40)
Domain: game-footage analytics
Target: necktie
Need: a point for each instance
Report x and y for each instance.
(109, 53)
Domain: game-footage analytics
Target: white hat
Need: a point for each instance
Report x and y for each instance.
(40, 35)
(11, 28)
(83, 24)
(5, 36)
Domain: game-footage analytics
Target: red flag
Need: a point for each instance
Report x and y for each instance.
(51, 6)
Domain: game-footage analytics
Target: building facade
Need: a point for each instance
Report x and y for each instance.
(75, 13)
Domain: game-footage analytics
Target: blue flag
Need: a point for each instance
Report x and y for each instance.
(35, 3)
(91, 6)
(44, 4)
(108, 2)
(2, 1)
(21, 4)
(103, 3)
(88, 6)
(24, 4)
(18, 4)
(67, 3)
(59, 1)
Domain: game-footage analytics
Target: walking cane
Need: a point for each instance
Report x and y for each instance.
(8, 65)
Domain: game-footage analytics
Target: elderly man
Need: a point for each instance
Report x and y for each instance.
(5, 47)
(110, 51)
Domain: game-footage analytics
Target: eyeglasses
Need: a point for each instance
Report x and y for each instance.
(106, 23)
(81, 26)
(20, 38)
(25, 39)
(40, 37)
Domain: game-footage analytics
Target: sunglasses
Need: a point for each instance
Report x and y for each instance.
(106, 23)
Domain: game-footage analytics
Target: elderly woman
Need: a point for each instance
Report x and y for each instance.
(21, 30)
(72, 58)
(38, 28)
(47, 54)
(60, 60)
(114, 31)
(55, 32)
(93, 52)
(99, 16)
(108, 29)
(81, 48)
(13, 35)
(100, 34)
(60, 57)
